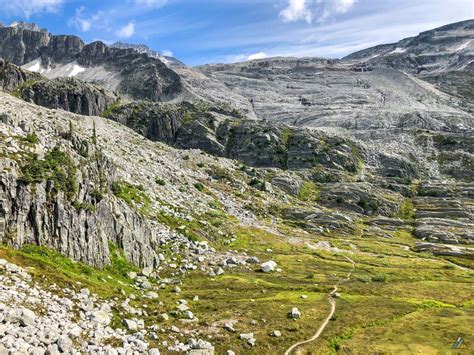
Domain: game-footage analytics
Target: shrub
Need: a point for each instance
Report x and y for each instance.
(379, 278)
(32, 138)
(407, 210)
(160, 182)
(368, 205)
(131, 194)
(308, 192)
(364, 279)
(199, 186)
(57, 167)
(97, 195)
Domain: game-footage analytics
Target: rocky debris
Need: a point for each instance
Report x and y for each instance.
(379, 98)
(442, 49)
(53, 326)
(320, 220)
(295, 313)
(268, 266)
(130, 324)
(253, 260)
(87, 214)
(143, 49)
(229, 327)
(221, 131)
(249, 337)
(193, 346)
(443, 213)
(360, 197)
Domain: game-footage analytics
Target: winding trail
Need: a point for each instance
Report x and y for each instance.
(332, 303)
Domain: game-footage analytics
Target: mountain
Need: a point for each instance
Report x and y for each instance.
(141, 48)
(129, 71)
(146, 206)
(55, 56)
(446, 48)
(327, 93)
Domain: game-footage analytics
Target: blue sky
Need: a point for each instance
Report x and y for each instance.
(210, 31)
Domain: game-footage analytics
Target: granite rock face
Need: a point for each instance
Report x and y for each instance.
(12, 76)
(69, 94)
(37, 215)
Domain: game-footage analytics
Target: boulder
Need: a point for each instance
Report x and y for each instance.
(295, 313)
(268, 266)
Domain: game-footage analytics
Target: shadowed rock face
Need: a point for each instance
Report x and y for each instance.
(21, 46)
(12, 76)
(214, 130)
(68, 94)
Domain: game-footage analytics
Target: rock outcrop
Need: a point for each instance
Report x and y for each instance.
(12, 76)
(221, 132)
(68, 94)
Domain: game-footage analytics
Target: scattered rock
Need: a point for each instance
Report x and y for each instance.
(276, 334)
(295, 313)
(268, 266)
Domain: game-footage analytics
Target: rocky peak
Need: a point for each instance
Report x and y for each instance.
(140, 48)
(28, 26)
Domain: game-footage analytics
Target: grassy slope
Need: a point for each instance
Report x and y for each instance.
(423, 305)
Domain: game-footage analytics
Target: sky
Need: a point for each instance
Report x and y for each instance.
(219, 31)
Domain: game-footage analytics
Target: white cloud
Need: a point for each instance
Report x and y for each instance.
(242, 57)
(79, 21)
(167, 53)
(126, 31)
(259, 55)
(29, 7)
(151, 3)
(333, 7)
(296, 10)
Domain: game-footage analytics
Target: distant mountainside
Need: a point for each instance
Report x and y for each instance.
(141, 48)
(124, 70)
(446, 48)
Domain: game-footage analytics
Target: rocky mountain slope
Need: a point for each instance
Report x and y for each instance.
(446, 48)
(213, 209)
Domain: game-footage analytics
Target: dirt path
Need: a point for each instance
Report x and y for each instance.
(332, 303)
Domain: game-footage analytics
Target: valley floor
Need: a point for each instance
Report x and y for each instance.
(395, 302)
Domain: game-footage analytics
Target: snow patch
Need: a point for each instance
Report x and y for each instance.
(398, 50)
(164, 60)
(463, 46)
(34, 66)
(76, 69)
